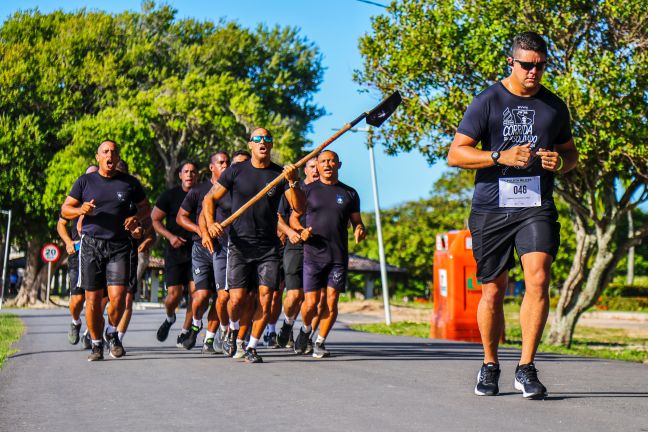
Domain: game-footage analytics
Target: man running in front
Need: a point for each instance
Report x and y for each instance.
(526, 140)
(253, 257)
(105, 198)
(330, 206)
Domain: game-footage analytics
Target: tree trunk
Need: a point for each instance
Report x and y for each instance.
(29, 290)
(631, 252)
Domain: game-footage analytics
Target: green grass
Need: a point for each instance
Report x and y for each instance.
(588, 341)
(10, 330)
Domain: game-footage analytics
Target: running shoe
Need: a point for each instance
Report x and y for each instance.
(309, 346)
(218, 342)
(190, 340)
(229, 343)
(301, 342)
(284, 335)
(240, 349)
(320, 351)
(163, 331)
(526, 381)
(97, 352)
(487, 380)
(272, 340)
(208, 346)
(181, 339)
(73, 333)
(291, 340)
(115, 346)
(251, 356)
(86, 341)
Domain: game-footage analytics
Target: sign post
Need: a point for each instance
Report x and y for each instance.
(50, 253)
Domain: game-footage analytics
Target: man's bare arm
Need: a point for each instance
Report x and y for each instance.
(61, 229)
(73, 208)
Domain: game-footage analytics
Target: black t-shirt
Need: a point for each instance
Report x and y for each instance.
(170, 202)
(193, 204)
(285, 210)
(113, 198)
(257, 227)
(502, 120)
(328, 212)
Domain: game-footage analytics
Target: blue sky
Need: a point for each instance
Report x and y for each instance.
(335, 27)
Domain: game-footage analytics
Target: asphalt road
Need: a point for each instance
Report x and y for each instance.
(372, 383)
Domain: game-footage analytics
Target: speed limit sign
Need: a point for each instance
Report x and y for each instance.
(50, 253)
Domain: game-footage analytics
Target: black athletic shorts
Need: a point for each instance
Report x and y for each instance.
(250, 268)
(208, 269)
(177, 266)
(293, 264)
(73, 274)
(321, 275)
(104, 263)
(132, 279)
(496, 235)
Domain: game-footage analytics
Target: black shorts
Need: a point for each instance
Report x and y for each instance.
(208, 269)
(495, 236)
(104, 263)
(177, 267)
(293, 264)
(321, 275)
(73, 274)
(250, 268)
(132, 279)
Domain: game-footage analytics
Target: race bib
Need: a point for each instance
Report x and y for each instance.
(519, 192)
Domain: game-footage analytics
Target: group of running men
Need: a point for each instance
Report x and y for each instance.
(295, 237)
(525, 136)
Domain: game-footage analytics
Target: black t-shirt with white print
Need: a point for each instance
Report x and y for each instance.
(502, 120)
(257, 227)
(328, 213)
(114, 200)
(193, 204)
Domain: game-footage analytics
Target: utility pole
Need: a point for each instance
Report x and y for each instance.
(6, 255)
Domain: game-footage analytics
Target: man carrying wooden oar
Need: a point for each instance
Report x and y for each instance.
(254, 246)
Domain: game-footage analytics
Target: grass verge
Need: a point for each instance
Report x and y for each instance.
(11, 329)
(588, 341)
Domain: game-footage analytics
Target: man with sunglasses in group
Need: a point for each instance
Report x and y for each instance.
(253, 256)
(525, 135)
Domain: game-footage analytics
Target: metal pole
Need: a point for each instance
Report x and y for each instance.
(6, 256)
(381, 248)
(49, 280)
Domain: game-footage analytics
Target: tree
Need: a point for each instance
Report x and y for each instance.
(440, 54)
(169, 89)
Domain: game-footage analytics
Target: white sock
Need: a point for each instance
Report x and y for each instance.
(239, 341)
(120, 335)
(234, 325)
(320, 339)
(253, 342)
(76, 322)
(272, 328)
(110, 329)
(306, 329)
(96, 342)
(209, 335)
(184, 331)
(223, 328)
(289, 321)
(85, 332)
(171, 319)
(196, 322)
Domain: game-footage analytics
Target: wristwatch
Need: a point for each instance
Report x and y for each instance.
(495, 156)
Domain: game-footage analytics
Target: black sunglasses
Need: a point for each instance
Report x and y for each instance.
(258, 138)
(530, 65)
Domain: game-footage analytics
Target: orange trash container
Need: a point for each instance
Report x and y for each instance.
(456, 291)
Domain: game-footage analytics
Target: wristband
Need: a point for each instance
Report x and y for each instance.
(560, 166)
(293, 184)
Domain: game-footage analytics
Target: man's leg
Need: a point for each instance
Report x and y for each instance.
(321, 305)
(128, 313)
(275, 312)
(535, 304)
(94, 314)
(76, 306)
(330, 312)
(490, 315)
(116, 307)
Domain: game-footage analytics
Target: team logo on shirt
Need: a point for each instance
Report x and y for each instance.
(272, 191)
(121, 196)
(517, 129)
(339, 199)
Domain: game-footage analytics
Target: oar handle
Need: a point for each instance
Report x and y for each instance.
(298, 164)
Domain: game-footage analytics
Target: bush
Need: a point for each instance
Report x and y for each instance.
(632, 304)
(620, 290)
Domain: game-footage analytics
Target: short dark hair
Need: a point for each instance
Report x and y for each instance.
(335, 155)
(213, 155)
(268, 133)
(110, 141)
(241, 153)
(186, 162)
(529, 41)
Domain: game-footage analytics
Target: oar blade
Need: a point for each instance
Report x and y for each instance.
(384, 110)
